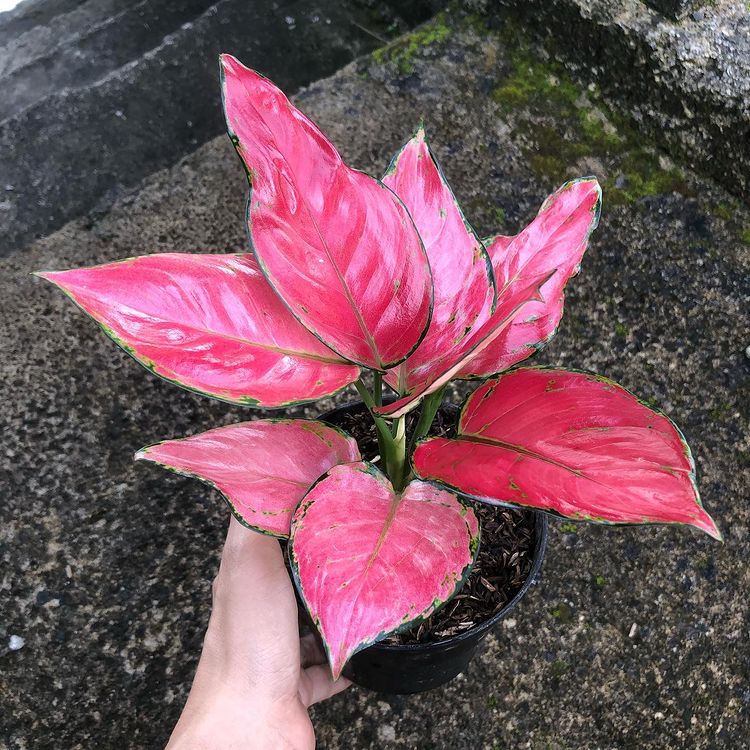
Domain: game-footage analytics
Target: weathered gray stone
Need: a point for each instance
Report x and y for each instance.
(144, 101)
(27, 15)
(686, 84)
(36, 27)
(676, 8)
(92, 53)
(633, 637)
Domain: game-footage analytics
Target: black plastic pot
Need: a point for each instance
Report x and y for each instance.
(413, 668)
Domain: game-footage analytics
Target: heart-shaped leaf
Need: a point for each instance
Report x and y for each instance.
(368, 562)
(261, 483)
(337, 245)
(210, 323)
(556, 239)
(574, 444)
(463, 282)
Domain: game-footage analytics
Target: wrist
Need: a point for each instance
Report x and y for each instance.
(228, 719)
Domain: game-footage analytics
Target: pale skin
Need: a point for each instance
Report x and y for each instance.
(256, 677)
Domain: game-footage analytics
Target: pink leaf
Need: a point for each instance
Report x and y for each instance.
(369, 562)
(570, 443)
(210, 323)
(262, 484)
(523, 291)
(337, 245)
(464, 286)
(548, 251)
(556, 239)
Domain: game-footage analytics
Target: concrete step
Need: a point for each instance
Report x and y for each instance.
(87, 56)
(77, 148)
(36, 26)
(30, 13)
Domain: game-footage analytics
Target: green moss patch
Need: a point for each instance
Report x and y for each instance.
(559, 667)
(564, 127)
(563, 613)
(403, 51)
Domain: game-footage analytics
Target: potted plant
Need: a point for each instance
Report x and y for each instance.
(349, 274)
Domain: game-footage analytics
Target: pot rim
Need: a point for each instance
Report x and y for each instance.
(541, 527)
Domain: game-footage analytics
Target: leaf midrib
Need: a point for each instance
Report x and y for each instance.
(357, 313)
(472, 438)
(230, 337)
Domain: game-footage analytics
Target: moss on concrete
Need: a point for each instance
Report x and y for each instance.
(563, 613)
(498, 216)
(733, 214)
(723, 211)
(566, 126)
(563, 127)
(403, 51)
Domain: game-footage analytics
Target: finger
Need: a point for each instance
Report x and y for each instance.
(316, 684)
(245, 550)
(310, 651)
(244, 636)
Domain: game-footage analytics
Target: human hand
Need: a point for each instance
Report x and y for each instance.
(256, 678)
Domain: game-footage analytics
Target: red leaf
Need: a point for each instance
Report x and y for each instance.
(556, 239)
(262, 484)
(368, 562)
(574, 444)
(337, 245)
(546, 254)
(517, 295)
(464, 286)
(210, 323)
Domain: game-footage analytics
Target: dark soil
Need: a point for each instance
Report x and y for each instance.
(505, 552)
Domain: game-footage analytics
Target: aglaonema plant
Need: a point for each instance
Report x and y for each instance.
(348, 273)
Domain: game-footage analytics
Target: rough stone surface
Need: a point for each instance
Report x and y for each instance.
(97, 96)
(46, 21)
(35, 70)
(632, 637)
(686, 82)
(675, 8)
(35, 28)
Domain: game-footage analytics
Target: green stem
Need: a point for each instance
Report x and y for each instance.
(378, 399)
(398, 466)
(378, 389)
(385, 439)
(430, 406)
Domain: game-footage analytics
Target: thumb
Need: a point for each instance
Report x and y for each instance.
(316, 684)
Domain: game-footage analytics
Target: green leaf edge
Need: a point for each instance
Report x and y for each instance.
(249, 174)
(142, 455)
(474, 545)
(421, 131)
(246, 401)
(532, 349)
(583, 518)
(414, 404)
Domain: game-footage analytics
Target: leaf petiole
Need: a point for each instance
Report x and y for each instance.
(430, 406)
(378, 389)
(386, 443)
